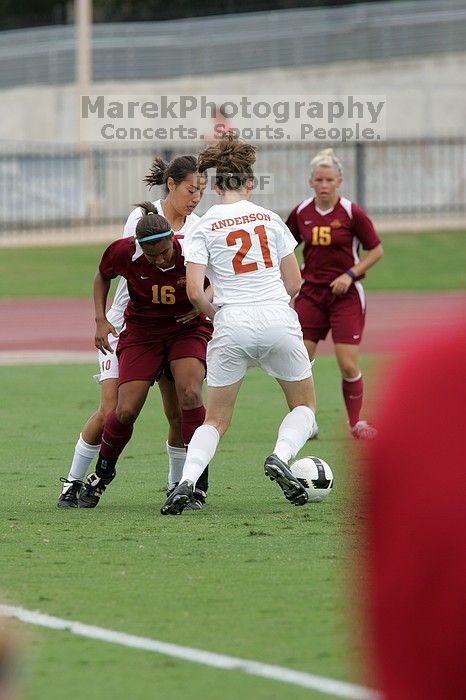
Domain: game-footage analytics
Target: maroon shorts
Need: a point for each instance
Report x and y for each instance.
(146, 359)
(319, 311)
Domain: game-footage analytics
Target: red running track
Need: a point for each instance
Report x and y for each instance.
(67, 325)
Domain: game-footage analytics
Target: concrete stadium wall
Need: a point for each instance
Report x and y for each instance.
(426, 96)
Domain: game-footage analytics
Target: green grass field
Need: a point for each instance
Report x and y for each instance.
(418, 262)
(249, 576)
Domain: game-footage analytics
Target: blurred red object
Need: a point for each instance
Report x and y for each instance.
(417, 522)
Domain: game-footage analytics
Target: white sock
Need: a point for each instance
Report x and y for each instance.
(295, 429)
(201, 449)
(176, 459)
(83, 456)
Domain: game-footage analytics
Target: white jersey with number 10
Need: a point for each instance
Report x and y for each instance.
(242, 245)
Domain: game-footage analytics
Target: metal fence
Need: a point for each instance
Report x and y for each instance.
(202, 46)
(57, 186)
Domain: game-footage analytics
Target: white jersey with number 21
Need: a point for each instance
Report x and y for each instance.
(242, 245)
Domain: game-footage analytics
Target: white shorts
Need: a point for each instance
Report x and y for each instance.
(108, 364)
(266, 336)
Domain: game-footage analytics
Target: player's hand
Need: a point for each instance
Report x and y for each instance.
(102, 331)
(341, 284)
(186, 318)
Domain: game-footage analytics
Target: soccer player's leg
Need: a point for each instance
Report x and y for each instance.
(187, 366)
(116, 435)
(311, 347)
(311, 307)
(294, 430)
(88, 444)
(347, 319)
(203, 444)
(175, 446)
(139, 366)
(284, 356)
(226, 367)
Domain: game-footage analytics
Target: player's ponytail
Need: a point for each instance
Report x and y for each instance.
(326, 158)
(233, 160)
(178, 169)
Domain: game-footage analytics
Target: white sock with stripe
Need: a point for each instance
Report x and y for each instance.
(201, 449)
(295, 429)
(82, 457)
(176, 460)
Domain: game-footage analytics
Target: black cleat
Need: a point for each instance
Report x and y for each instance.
(70, 492)
(170, 490)
(178, 499)
(197, 501)
(278, 471)
(91, 492)
(202, 484)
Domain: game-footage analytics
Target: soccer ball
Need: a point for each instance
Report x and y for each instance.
(315, 475)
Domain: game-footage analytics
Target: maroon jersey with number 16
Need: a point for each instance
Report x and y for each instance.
(157, 296)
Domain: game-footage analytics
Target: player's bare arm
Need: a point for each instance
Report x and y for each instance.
(103, 326)
(186, 318)
(291, 275)
(199, 297)
(342, 283)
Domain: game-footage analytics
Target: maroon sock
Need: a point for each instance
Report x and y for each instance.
(115, 437)
(190, 420)
(352, 393)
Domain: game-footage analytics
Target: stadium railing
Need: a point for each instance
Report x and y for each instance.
(51, 187)
(284, 38)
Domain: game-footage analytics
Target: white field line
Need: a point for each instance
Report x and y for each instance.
(47, 357)
(254, 668)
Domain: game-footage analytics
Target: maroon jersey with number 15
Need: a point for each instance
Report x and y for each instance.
(331, 239)
(157, 296)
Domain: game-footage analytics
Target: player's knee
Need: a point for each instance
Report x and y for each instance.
(349, 370)
(126, 414)
(189, 396)
(104, 411)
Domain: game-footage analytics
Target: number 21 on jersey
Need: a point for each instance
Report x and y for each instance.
(244, 236)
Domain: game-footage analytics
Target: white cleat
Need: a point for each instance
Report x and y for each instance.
(363, 431)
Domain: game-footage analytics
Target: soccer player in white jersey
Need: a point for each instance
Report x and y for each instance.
(247, 252)
(183, 193)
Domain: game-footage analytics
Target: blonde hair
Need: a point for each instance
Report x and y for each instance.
(328, 159)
